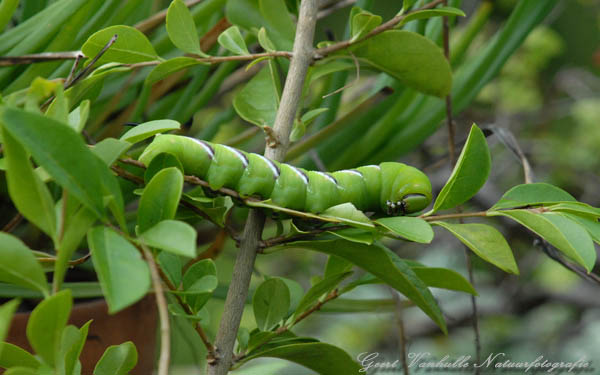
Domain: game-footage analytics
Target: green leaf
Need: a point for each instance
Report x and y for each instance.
(79, 116)
(19, 266)
(12, 356)
(531, 195)
(297, 131)
(377, 260)
(444, 278)
(160, 198)
(59, 108)
(199, 282)
(72, 343)
(176, 237)
(271, 303)
(172, 265)
(296, 293)
(348, 214)
(577, 208)
(159, 162)
(117, 360)
(469, 175)
(123, 274)
(561, 232)
(407, 4)
(486, 242)
(271, 14)
(355, 235)
(166, 68)
(409, 57)
(411, 228)
(182, 29)
(362, 22)
(428, 13)
(146, 130)
(131, 46)
(7, 311)
(258, 101)
(233, 41)
(110, 149)
(46, 324)
(19, 370)
(27, 191)
(590, 224)
(311, 115)
(319, 289)
(264, 41)
(7, 8)
(64, 155)
(322, 358)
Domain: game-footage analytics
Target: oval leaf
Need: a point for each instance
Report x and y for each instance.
(469, 174)
(160, 198)
(233, 41)
(486, 242)
(561, 232)
(46, 323)
(444, 278)
(322, 358)
(12, 356)
(7, 311)
(531, 195)
(27, 191)
(162, 161)
(319, 289)
(182, 29)
(411, 228)
(173, 236)
(409, 57)
(117, 360)
(271, 303)
(258, 101)
(19, 266)
(148, 129)
(428, 13)
(131, 46)
(123, 274)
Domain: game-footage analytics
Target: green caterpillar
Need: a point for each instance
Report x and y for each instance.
(388, 188)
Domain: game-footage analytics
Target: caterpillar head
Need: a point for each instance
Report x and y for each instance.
(404, 189)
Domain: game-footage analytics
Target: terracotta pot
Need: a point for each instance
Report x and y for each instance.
(137, 323)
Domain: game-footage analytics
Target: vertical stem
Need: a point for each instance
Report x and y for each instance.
(244, 263)
(161, 302)
(452, 152)
(399, 310)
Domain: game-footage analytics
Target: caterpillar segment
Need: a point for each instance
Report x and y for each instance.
(389, 188)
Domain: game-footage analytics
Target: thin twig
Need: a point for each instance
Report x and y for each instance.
(161, 302)
(72, 263)
(12, 224)
(399, 311)
(334, 6)
(39, 57)
(302, 236)
(356, 79)
(220, 59)
(325, 51)
(244, 264)
(84, 72)
(74, 68)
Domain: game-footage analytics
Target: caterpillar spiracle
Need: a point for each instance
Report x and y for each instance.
(387, 189)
